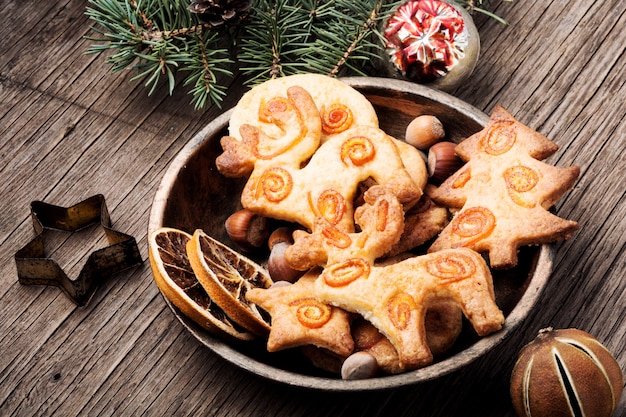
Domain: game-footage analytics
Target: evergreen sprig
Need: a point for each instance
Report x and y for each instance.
(335, 38)
(159, 38)
(163, 39)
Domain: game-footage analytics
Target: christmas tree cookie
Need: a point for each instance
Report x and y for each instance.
(503, 193)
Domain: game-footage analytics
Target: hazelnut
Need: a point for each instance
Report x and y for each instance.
(279, 284)
(277, 265)
(565, 372)
(424, 131)
(442, 161)
(247, 229)
(282, 234)
(359, 365)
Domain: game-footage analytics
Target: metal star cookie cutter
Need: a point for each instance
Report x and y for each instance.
(35, 268)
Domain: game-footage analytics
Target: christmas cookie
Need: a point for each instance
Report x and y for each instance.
(422, 222)
(280, 187)
(443, 325)
(299, 319)
(395, 297)
(339, 105)
(295, 138)
(503, 192)
(381, 220)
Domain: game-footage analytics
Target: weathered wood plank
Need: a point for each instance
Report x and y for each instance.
(69, 129)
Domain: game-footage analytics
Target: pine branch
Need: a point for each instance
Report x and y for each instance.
(164, 40)
(270, 34)
(349, 38)
(158, 39)
(333, 38)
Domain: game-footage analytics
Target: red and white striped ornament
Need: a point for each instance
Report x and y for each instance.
(432, 42)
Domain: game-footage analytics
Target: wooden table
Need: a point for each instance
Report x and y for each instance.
(69, 130)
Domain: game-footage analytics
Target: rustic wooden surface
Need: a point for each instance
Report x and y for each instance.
(69, 129)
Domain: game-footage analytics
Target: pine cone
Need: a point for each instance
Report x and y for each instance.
(219, 12)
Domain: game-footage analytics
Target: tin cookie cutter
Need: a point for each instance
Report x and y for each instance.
(35, 268)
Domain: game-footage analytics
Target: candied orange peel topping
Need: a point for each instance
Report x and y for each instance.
(451, 267)
(275, 105)
(311, 312)
(400, 309)
(474, 223)
(343, 273)
(331, 205)
(500, 138)
(336, 237)
(462, 179)
(336, 118)
(359, 150)
(521, 178)
(275, 184)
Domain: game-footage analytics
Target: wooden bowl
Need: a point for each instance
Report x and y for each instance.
(193, 194)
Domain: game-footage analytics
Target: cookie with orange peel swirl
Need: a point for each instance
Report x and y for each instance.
(298, 319)
(279, 187)
(277, 124)
(295, 139)
(504, 191)
(443, 325)
(395, 297)
(339, 105)
(381, 223)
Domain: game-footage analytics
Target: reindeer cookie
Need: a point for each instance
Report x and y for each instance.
(504, 192)
(279, 187)
(394, 297)
(443, 324)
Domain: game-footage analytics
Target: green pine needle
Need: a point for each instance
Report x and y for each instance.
(162, 41)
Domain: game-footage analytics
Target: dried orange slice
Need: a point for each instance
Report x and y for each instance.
(175, 278)
(227, 276)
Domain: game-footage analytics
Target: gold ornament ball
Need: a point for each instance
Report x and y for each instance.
(565, 373)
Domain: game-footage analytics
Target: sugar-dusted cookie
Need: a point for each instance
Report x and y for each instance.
(299, 319)
(339, 105)
(504, 192)
(395, 297)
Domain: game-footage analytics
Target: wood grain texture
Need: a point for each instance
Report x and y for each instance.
(69, 129)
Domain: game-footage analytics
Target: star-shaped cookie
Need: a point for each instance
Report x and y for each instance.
(299, 319)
